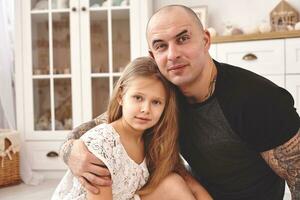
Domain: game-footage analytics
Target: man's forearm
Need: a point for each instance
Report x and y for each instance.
(66, 147)
(75, 134)
(285, 161)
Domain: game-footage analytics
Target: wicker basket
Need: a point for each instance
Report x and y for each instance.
(9, 168)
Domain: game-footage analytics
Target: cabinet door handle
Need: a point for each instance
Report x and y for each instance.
(250, 56)
(83, 8)
(52, 154)
(74, 9)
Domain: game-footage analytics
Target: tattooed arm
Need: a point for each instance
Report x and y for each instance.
(76, 133)
(83, 164)
(285, 161)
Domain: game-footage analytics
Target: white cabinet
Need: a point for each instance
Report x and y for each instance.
(292, 55)
(293, 86)
(274, 59)
(277, 60)
(293, 69)
(262, 57)
(68, 57)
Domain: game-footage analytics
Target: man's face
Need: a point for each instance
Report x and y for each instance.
(178, 45)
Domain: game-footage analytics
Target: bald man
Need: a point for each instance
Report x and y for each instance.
(239, 131)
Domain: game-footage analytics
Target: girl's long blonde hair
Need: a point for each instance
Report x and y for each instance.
(161, 148)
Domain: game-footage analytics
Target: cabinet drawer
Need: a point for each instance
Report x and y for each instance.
(293, 86)
(292, 55)
(261, 57)
(38, 156)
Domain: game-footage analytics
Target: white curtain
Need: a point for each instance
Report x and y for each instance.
(7, 96)
(7, 91)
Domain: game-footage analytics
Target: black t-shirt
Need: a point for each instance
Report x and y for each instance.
(222, 138)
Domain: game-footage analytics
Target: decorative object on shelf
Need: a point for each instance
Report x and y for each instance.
(105, 3)
(41, 5)
(68, 124)
(264, 27)
(237, 31)
(212, 31)
(43, 122)
(125, 3)
(41, 71)
(96, 5)
(297, 26)
(251, 29)
(231, 29)
(282, 16)
(290, 28)
(116, 2)
(201, 12)
(9, 157)
(67, 71)
(62, 4)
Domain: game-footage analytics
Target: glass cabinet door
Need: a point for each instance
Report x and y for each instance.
(51, 65)
(109, 48)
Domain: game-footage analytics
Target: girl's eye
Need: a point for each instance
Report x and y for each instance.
(138, 98)
(156, 102)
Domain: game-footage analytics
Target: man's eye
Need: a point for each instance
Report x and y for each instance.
(183, 38)
(159, 46)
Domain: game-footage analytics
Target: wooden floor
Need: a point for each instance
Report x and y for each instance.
(43, 191)
(26, 192)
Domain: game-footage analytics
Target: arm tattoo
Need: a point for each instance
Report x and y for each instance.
(67, 151)
(80, 130)
(285, 161)
(66, 147)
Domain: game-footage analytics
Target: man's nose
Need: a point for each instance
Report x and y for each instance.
(173, 52)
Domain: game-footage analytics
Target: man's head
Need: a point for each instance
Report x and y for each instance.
(178, 44)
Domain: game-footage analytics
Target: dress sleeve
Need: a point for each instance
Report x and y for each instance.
(101, 142)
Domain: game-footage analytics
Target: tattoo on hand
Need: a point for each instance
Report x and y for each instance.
(67, 151)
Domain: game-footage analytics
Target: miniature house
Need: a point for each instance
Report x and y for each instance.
(282, 16)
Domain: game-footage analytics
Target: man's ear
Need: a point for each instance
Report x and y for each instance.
(150, 53)
(207, 39)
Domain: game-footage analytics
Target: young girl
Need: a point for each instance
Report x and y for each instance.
(139, 143)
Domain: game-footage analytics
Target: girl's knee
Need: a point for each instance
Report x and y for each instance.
(174, 182)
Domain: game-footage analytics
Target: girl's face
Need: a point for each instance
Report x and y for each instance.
(143, 103)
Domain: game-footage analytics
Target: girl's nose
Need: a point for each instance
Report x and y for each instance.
(145, 107)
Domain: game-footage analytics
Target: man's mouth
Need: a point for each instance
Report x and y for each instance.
(175, 67)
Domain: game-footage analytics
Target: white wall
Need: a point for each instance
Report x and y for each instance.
(242, 13)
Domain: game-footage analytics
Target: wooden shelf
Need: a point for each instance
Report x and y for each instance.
(256, 36)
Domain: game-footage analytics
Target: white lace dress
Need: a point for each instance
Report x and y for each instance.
(127, 176)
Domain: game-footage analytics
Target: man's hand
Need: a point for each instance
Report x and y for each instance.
(87, 167)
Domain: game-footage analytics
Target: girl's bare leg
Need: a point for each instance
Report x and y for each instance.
(173, 187)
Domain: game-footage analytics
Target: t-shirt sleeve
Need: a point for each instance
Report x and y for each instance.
(269, 119)
(101, 142)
